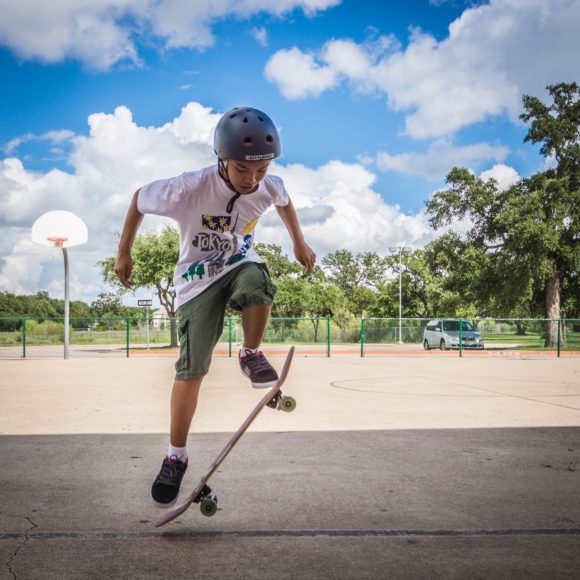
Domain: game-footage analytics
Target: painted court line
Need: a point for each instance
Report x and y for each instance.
(500, 532)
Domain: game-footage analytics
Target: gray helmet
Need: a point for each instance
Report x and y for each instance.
(246, 134)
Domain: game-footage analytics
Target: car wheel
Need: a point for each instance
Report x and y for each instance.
(442, 344)
(426, 344)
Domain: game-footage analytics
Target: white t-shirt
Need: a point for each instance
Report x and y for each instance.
(212, 241)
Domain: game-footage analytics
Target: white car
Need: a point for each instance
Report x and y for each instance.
(444, 334)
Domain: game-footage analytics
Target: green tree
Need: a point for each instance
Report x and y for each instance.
(523, 239)
(278, 264)
(291, 298)
(108, 305)
(324, 299)
(155, 255)
(557, 128)
(357, 276)
(80, 313)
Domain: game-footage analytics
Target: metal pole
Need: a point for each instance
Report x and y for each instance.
(147, 323)
(24, 338)
(400, 294)
(66, 303)
(127, 337)
(328, 335)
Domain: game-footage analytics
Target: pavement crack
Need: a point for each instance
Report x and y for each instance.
(25, 539)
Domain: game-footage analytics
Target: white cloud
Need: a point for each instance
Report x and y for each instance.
(440, 158)
(493, 54)
(337, 202)
(298, 75)
(353, 215)
(20, 271)
(504, 175)
(55, 137)
(101, 33)
(260, 34)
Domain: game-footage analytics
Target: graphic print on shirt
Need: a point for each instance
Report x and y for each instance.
(243, 251)
(213, 264)
(210, 242)
(216, 223)
(250, 226)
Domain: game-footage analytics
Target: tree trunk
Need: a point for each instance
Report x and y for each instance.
(167, 300)
(173, 332)
(553, 294)
(315, 322)
(521, 327)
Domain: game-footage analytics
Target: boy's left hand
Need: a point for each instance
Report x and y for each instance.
(305, 255)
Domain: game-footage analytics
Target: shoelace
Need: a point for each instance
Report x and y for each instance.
(257, 362)
(170, 472)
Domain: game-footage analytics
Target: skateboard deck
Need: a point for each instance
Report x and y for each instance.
(201, 493)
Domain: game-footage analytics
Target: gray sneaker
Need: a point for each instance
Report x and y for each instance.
(256, 366)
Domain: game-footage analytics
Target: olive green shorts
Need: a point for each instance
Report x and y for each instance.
(201, 319)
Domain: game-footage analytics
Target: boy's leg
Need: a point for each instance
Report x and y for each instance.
(254, 323)
(183, 404)
(200, 326)
(252, 293)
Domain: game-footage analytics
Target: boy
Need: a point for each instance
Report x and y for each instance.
(216, 209)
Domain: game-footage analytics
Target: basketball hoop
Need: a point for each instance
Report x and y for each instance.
(60, 230)
(58, 242)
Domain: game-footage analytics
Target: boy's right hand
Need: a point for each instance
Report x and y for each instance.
(124, 269)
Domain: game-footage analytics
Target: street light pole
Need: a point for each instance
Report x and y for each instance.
(393, 250)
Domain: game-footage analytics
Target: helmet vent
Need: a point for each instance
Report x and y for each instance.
(245, 119)
(232, 116)
(248, 142)
(269, 139)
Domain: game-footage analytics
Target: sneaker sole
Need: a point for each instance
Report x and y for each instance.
(267, 385)
(160, 505)
(264, 385)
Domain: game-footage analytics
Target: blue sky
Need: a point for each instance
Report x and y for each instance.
(376, 102)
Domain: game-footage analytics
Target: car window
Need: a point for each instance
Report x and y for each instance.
(453, 325)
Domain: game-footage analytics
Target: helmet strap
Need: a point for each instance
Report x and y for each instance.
(222, 170)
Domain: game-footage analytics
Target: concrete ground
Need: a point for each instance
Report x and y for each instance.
(388, 468)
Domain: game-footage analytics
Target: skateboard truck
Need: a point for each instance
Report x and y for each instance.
(282, 403)
(207, 501)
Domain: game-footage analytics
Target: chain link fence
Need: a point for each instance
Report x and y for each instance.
(44, 337)
(470, 336)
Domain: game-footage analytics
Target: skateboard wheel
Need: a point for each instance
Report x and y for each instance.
(287, 404)
(208, 505)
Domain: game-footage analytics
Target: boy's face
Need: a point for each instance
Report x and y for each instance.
(245, 176)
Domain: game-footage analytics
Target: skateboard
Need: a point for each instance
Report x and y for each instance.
(202, 493)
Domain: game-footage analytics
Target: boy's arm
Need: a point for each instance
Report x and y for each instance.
(124, 263)
(302, 250)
